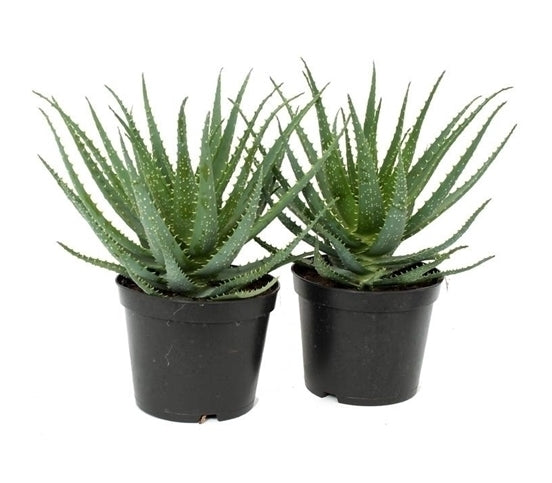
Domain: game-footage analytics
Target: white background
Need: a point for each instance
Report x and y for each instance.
(66, 405)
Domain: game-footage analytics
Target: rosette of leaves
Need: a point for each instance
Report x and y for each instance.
(188, 224)
(372, 199)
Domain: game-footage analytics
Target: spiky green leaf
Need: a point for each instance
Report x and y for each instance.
(185, 185)
(370, 200)
(114, 267)
(412, 140)
(205, 228)
(335, 174)
(424, 216)
(216, 119)
(220, 157)
(157, 149)
(395, 145)
(242, 294)
(370, 127)
(396, 217)
(233, 244)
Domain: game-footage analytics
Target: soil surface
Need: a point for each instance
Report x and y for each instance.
(311, 275)
(128, 283)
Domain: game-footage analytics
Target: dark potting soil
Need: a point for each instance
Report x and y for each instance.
(310, 274)
(128, 283)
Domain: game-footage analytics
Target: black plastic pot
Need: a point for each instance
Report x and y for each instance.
(364, 347)
(193, 359)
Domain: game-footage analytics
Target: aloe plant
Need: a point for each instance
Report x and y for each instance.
(188, 224)
(373, 199)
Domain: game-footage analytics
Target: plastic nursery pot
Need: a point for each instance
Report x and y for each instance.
(364, 347)
(193, 359)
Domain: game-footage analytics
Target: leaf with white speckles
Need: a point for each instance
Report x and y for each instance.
(205, 227)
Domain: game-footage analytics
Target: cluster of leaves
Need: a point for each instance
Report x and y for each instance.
(188, 226)
(369, 199)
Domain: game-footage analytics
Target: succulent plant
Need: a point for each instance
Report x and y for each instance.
(189, 224)
(371, 198)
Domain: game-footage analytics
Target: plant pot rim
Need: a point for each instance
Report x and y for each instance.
(350, 299)
(179, 308)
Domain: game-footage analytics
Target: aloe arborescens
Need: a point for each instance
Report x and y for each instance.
(189, 224)
(372, 198)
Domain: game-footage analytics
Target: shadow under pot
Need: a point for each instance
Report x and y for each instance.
(364, 347)
(192, 359)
